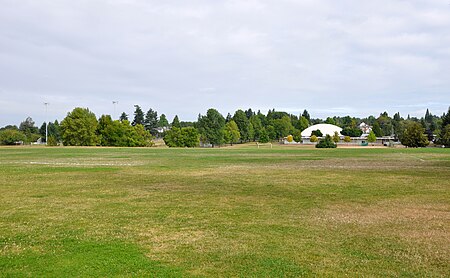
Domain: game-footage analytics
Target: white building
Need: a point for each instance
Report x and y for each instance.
(324, 128)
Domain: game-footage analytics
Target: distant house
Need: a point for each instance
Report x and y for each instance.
(365, 128)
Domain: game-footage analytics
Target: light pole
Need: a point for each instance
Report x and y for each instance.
(115, 102)
(46, 123)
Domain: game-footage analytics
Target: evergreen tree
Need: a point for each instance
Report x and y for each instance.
(123, 117)
(163, 122)
(138, 116)
(176, 122)
(306, 115)
(151, 121)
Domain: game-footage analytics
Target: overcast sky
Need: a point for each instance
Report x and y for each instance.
(182, 57)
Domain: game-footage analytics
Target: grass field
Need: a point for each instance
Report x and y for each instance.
(241, 212)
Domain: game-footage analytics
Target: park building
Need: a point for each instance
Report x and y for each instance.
(329, 129)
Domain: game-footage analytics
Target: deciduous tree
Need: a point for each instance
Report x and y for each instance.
(79, 128)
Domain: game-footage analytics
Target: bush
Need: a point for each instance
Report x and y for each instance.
(326, 143)
(52, 141)
(316, 133)
(352, 132)
(290, 138)
(313, 139)
(10, 137)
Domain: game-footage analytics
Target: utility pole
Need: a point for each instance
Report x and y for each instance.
(115, 102)
(46, 123)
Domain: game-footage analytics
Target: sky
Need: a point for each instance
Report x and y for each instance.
(346, 57)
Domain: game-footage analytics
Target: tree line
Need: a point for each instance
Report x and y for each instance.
(82, 128)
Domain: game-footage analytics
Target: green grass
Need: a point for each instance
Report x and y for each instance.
(240, 212)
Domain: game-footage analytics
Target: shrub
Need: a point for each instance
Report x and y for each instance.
(327, 142)
(313, 139)
(290, 138)
(316, 133)
(11, 136)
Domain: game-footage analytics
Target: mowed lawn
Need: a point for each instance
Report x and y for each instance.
(230, 212)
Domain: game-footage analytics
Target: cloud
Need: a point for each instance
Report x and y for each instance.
(183, 57)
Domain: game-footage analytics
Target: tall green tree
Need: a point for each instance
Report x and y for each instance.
(445, 136)
(243, 124)
(123, 117)
(257, 125)
(413, 135)
(79, 128)
(138, 116)
(303, 123)
(176, 122)
(377, 129)
(306, 115)
(28, 128)
(283, 126)
(151, 121)
(263, 136)
(163, 122)
(211, 127)
(231, 133)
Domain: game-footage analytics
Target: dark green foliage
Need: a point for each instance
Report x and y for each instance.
(303, 123)
(53, 130)
(163, 122)
(297, 135)
(151, 121)
(138, 116)
(317, 133)
(182, 137)
(123, 117)
(413, 135)
(28, 128)
(264, 136)
(13, 127)
(257, 125)
(211, 127)
(11, 137)
(122, 134)
(445, 119)
(283, 127)
(176, 122)
(326, 142)
(445, 136)
(352, 132)
(377, 129)
(306, 115)
(330, 121)
(271, 132)
(79, 128)
(190, 137)
(243, 124)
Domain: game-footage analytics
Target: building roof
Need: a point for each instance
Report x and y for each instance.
(324, 128)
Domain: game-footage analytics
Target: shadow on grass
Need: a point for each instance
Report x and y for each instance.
(74, 258)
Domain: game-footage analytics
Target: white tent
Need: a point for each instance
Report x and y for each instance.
(324, 128)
